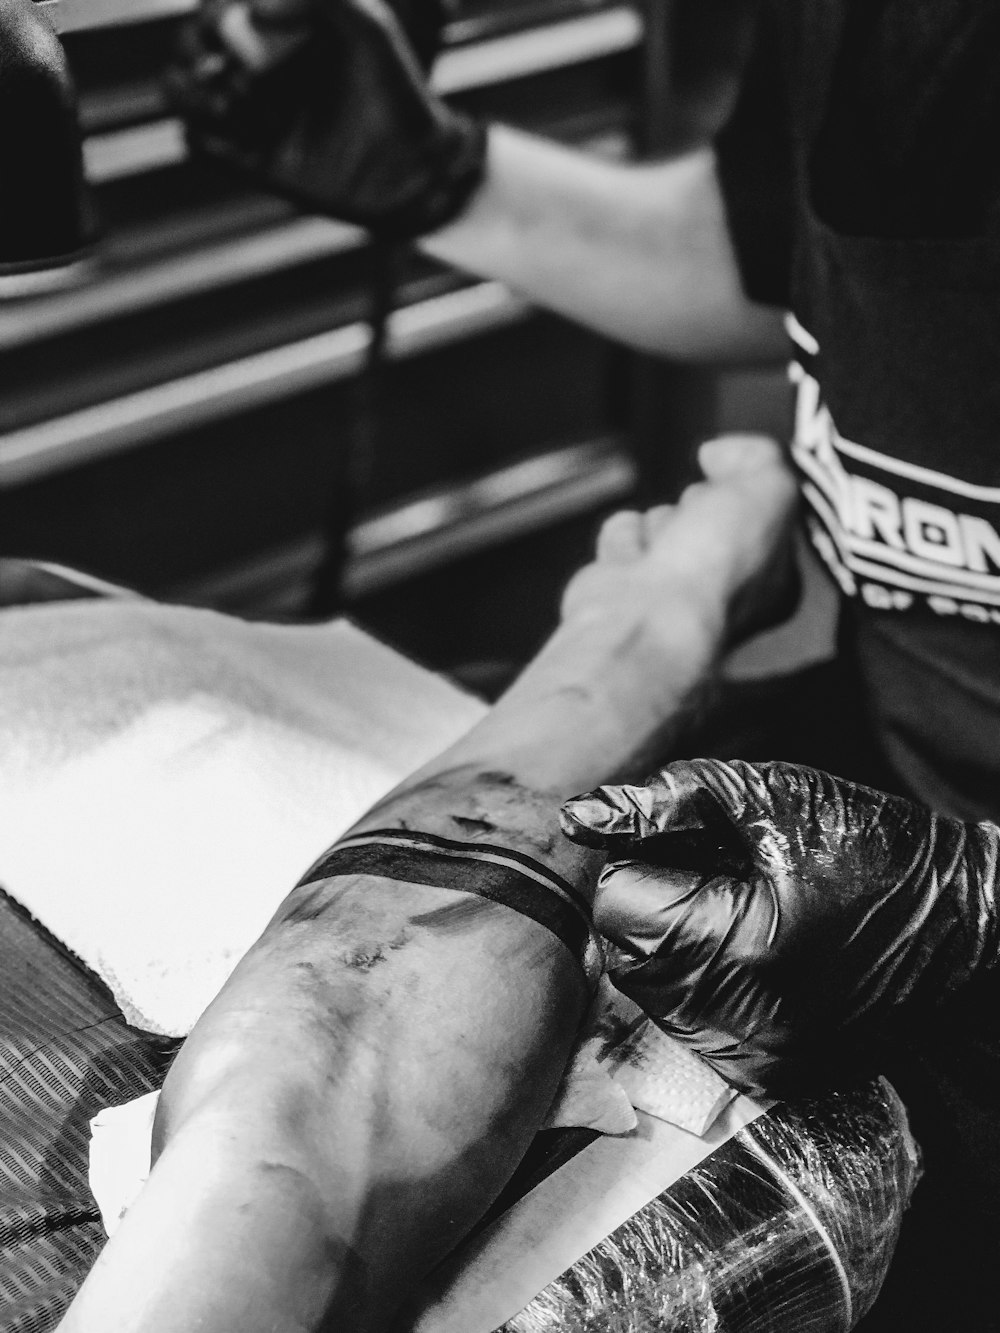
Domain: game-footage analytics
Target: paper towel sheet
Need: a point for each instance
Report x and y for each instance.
(624, 1063)
(121, 1140)
(168, 774)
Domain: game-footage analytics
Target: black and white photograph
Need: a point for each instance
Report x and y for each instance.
(499, 666)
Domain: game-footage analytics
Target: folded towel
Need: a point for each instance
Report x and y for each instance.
(167, 774)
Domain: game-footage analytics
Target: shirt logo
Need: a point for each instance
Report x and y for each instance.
(892, 533)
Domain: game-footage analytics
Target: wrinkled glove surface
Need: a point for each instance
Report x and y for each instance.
(783, 922)
(327, 103)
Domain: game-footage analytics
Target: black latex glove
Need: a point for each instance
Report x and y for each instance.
(782, 922)
(327, 103)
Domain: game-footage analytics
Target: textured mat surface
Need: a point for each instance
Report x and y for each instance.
(65, 1051)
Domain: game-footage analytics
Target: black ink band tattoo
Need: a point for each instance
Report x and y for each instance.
(503, 876)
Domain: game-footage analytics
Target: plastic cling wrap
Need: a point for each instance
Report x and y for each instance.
(791, 1224)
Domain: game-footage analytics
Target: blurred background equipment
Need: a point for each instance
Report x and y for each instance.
(179, 422)
(47, 216)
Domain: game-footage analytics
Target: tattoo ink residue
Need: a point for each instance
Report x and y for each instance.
(455, 916)
(311, 901)
(469, 825)
(364, 957)
(497, 806)
(481, 805)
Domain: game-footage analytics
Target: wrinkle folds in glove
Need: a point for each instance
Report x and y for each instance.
(327, 103)
(784, 922)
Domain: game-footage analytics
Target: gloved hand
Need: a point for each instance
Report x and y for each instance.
(327, 103)
(783, 922)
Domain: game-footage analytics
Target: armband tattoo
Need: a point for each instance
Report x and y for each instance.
(496, 873)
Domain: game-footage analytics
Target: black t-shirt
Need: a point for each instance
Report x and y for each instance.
(862, 178)
(861, 172)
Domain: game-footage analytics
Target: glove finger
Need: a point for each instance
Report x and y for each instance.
(692, 919)
(690, 795)
(636, 906)
(597, 817)
(747, 1055)
(629, 813)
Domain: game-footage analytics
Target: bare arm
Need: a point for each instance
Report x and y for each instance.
(373, 1071)
(378, 1063)
(640, 253)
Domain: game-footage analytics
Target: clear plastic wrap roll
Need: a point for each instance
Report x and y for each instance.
(790, 1225)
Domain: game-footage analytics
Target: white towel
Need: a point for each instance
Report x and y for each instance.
(167, 775)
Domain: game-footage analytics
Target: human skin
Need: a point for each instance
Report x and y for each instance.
(639, 252)
(369, 1077)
